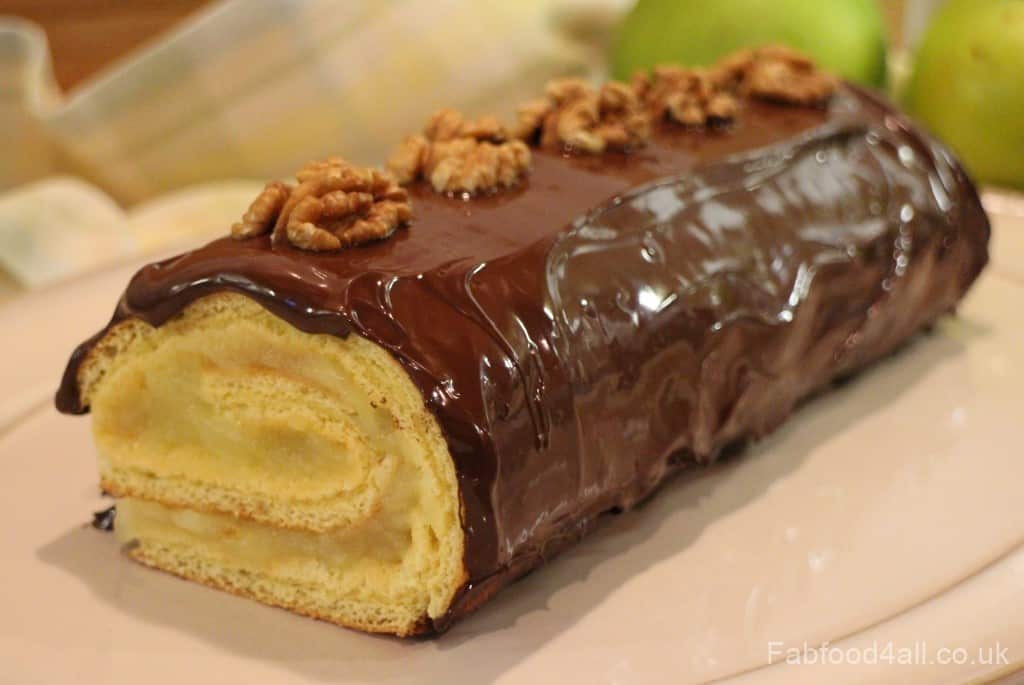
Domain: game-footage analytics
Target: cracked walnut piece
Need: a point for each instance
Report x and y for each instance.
(459, 155)
(687, 96)
(335, 205)
(263, 212)
(575, 115)
(775, 73)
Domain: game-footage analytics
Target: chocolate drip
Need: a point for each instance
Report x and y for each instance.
(615, 318)
(104, 519)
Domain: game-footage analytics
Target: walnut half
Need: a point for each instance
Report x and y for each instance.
(687, 96)
(575, 115)
(777, 73)
(459, 155)
(334, 205)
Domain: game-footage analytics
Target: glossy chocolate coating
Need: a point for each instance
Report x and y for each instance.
(616, 318)
(104, 519)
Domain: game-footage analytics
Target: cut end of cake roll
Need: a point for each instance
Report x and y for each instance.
(297, 469)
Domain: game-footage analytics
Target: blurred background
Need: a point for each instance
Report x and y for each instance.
(134, 127)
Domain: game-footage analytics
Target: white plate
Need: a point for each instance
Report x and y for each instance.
(887, 513)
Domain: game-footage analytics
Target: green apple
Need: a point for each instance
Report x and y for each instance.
(846, 37)
(967, 85)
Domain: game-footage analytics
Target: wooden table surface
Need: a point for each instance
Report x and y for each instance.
(87, 35)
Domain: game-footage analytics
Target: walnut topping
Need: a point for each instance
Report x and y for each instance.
(263, 212)
(696, 97)
(335, 205)
(461, 155)
(688, 96)
(575, 115)
(449, 124)
(775, 73)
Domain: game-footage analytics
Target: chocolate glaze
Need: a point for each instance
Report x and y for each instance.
(616, 318)
(104, 519)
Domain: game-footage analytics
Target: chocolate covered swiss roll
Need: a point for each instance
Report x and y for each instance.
(387, 395)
